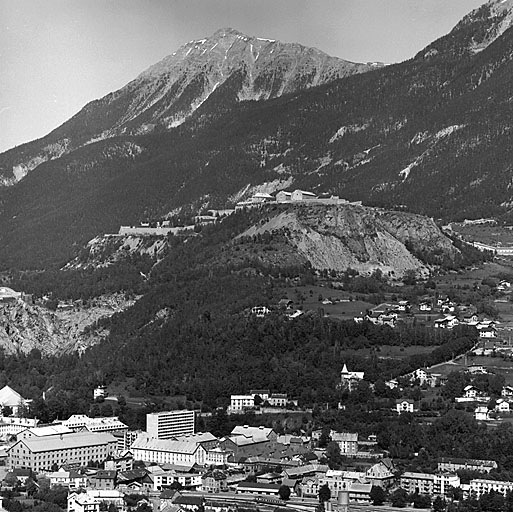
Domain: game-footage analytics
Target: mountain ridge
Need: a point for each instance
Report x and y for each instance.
(169, 92)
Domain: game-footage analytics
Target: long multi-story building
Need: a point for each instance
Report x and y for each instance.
(78, 422)
(455, 464)
(42, 453)
(168, 451)
(437, 484)
(421, 483)
(480, 486)
(169, 424)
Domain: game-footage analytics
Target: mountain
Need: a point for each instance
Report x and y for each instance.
(238, 67)
(351, 236)
(432, 134)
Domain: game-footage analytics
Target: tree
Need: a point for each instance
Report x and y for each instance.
(399, 498)
(284, 492)
(377, 495)
(324, 493)
(31, 487)
(333, 455)
(421, 501)
(324, 438)
(439, 504)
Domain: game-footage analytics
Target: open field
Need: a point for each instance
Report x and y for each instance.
(393, 351)
(474, 275)
(496, 365)
(343, 307)
(485, 233)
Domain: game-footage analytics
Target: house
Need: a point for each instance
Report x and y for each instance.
(82, 502)
(186, 502)
(91, 500)
(392, 384)
(99, 392)
(70, 479)
(448, 307)
(260, 311)
(470, 319)
(217, 457)
(383, 314)
(507, 392)
(488, 332)
(104, 479)
(270, 478)
(502, 405)
(349, 380)
(347, 442)
(482, 413)
(403, 306)
(214, 481)
(447, 322)
(381, 474)
(425, 306)
(21, 474)
(285, 304)
(135, 481)
(475, 369)
(404, 405)
(239, 403)
(278, 400)
(254, 432)
(471, 392)
(165, 475)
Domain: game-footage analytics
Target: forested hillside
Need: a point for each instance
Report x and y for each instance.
(431, 134)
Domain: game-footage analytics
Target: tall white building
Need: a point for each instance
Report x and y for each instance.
(169, 424)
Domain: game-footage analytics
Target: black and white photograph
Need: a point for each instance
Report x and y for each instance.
(256, 255)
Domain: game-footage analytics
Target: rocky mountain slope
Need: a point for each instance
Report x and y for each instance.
(432, 133)
(234, 66)
(24, 327)
(364, 239)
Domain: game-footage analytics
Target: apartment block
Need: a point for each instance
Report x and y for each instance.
(169, 424)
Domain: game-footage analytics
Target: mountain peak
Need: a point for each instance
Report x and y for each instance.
(224, 32)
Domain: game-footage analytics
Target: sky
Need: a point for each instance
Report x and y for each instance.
(57, 55)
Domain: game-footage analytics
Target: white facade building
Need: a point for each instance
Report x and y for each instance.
(168, 424)
(164, 451)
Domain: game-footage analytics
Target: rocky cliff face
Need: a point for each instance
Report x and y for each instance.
(106, 250)
(365, 239)
(24, 327)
